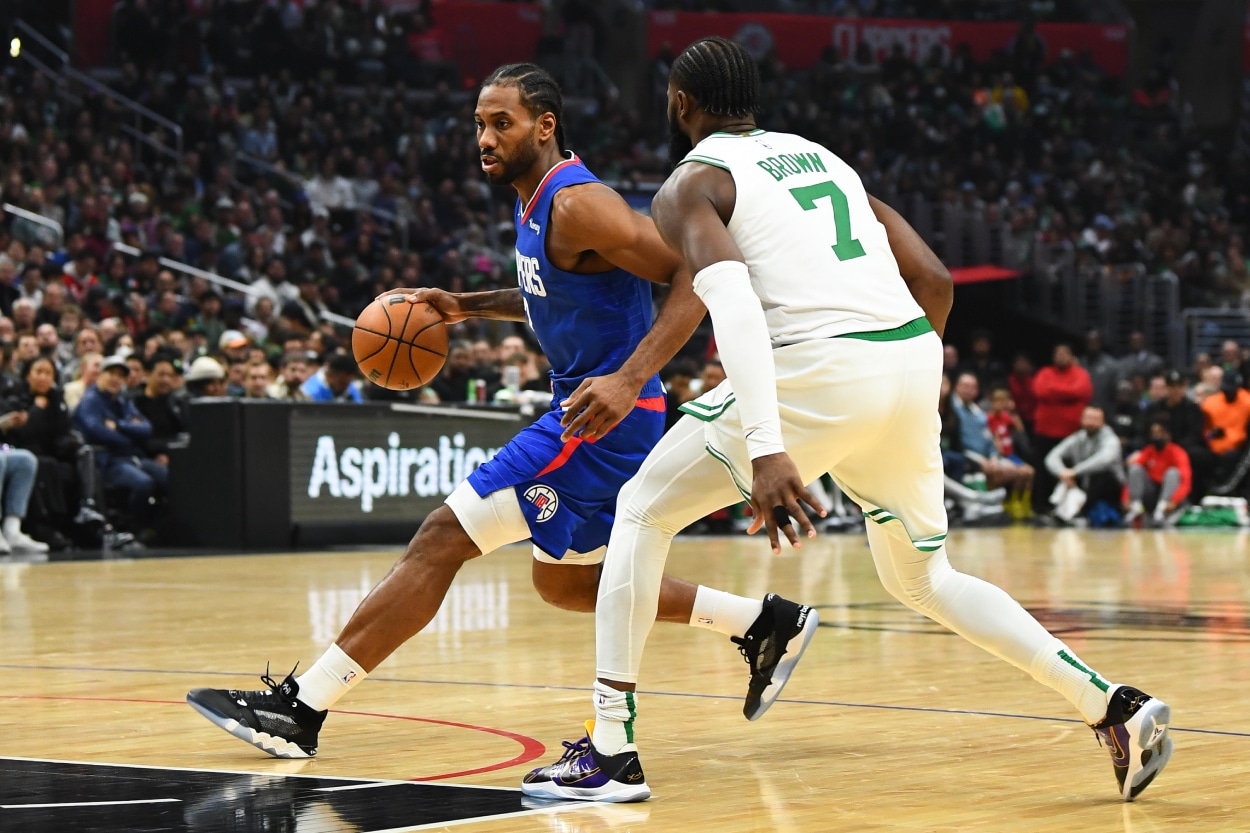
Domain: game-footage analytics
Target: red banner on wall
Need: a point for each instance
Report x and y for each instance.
(481, 36)
(799, 39)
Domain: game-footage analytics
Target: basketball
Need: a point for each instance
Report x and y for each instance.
(399, 345)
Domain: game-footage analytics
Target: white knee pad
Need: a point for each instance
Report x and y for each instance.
(595, 556)
(492, 521)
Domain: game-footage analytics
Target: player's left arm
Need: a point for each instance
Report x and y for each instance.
(596, 218)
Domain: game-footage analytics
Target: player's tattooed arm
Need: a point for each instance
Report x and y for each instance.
(927, 279)
(500, 305)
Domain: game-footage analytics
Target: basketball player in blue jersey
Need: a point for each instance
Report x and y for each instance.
(581, 252)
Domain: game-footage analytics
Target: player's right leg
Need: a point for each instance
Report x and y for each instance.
(898, 480)
(285, 718)
(679, 483)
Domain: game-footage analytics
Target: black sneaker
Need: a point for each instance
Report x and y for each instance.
(272, 720)
(765, 649)
(1135, 732)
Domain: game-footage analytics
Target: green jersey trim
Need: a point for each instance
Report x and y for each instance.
(909, 330)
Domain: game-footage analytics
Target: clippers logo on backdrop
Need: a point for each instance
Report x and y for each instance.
(544, 499)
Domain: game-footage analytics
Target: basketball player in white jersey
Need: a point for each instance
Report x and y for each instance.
(828, 311)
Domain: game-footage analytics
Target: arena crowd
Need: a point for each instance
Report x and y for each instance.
(328, 156)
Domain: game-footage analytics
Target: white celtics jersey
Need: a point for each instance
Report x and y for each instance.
(819, 259)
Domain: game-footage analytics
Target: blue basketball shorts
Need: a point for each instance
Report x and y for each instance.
(567, 490)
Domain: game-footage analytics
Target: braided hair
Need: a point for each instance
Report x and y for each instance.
(539, 91)
(721, 75)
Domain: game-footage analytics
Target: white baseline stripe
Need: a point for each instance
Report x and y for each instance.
(89, 804)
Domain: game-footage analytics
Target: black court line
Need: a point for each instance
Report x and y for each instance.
(40, 795)
(649, 693)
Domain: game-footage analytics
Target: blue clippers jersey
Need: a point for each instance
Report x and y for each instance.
(587, 325)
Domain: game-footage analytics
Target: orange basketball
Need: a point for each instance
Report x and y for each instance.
(399, 345)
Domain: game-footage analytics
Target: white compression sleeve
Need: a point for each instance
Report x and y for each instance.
(745, 350)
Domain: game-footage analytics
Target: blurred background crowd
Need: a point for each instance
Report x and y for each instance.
(293, 160)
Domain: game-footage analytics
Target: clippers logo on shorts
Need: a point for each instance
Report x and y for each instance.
(545, 499)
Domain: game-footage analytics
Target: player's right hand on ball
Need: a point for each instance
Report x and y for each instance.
(447, 303)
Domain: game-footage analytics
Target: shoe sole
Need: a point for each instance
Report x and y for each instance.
(621, 793)
(1150, 733)
(781, 674)
(274, 746)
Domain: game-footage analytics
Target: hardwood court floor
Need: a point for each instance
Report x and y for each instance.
(888, 724)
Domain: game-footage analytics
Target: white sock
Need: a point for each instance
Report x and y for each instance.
(724, 612)
(1062, 670)
(614, 720)
(11, 526)
(330, 677)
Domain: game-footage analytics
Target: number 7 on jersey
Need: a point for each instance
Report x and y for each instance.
(846, 247)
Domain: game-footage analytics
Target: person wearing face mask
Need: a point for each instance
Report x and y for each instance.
(1159, 479)
(1089, 461)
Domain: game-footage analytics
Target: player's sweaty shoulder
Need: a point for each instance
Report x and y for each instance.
(695, 183)
(578, 211)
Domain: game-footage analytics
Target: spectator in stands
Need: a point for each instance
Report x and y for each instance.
(1020, 383)
(236, 377)
(1209, 382)
(67, 467)
(1186, 426)
(1104, 371)
(336, 382)
(1088, 460)
(1140, 361)
(452, 383)
(676, 376)
(982, 363)
(114, 425)
(1158, 478)
(1126, 416)
(18, 470)
(163, 410)
(713, 374)
(259, 377)
(293, 373)
(979, 443)
(1063, 392)
(88, 372)
(1227, 414)
(205, 377)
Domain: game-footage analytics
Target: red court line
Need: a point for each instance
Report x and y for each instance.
(530, 748)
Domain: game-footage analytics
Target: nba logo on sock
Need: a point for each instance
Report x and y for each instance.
(348, 677)
(544, 499)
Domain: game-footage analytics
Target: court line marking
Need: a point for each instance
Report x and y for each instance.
(90, 804)
(372, 782)
(583, 689)
(531, 748)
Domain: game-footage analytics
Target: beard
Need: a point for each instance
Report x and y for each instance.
(679, 143)
(522, 160)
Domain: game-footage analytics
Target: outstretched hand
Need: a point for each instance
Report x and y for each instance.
(447, 303)
(776, 492)
(597, 406)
